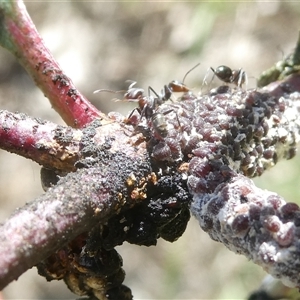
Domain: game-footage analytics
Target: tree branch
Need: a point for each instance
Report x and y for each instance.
(73, 206)
(270, 133)
(135, 184)
(19, 35)
(48, 144)
(254, 131)
(253, 222)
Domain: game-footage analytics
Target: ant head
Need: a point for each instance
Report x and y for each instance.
(134, 93)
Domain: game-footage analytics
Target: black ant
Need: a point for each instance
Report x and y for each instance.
(224, 73)
(148, 105)
(147, 108)
(135, 94)
(159, 123)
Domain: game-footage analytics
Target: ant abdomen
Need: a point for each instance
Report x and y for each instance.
(159, 124)
(178, 87)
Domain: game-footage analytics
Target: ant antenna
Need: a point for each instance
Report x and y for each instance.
(189, 71)
(109, 91)
(132, 83)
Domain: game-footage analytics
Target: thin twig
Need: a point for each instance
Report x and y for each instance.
(19, 35)
(48, 144)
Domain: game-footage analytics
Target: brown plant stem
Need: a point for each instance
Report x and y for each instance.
(19, 35)
(89, 195)
(288, 85)
(72, 207)
(46, 143)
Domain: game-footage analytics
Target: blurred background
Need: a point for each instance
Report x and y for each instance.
(101, 45)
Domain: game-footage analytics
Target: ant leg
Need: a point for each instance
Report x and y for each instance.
(240, 78)
(154, 101)
(172, 110)
(245, 79)
(135, 122)
(204, 82)
(135, 109)
(166, 94)
(150, 89)
(109, 91)
(178, 122)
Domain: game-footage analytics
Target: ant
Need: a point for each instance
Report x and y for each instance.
(224, 73)
(159, 123)
(135, 94)
(148, 109)
(149, 104)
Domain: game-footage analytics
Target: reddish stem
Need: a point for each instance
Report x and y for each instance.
(288, 85)
(70, 208)
(20, 36)
(44, 142)
(91, 194)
